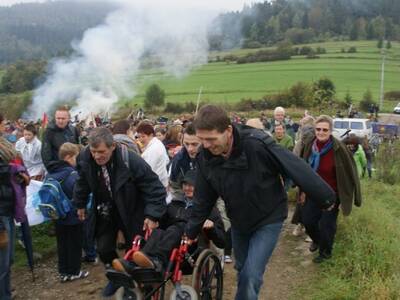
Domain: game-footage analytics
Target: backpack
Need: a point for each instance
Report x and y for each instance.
(6, 191)
(54, 204)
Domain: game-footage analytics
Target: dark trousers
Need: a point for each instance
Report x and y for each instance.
(106, 237)
(296, 218)
(69, 248)
(161, 242)
(88, 242)
(320, 225)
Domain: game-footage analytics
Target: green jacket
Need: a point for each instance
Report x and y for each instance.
(285, 142)
(348, 182)
(360, 159)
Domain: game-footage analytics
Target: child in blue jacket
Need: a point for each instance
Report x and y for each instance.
(69, 231)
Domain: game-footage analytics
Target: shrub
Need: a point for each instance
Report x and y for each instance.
(174, 108)
(367, 101)
(352, 50)
(251, 44)
(155, 96)
(230, 57)
(305, 50)
(392, 95)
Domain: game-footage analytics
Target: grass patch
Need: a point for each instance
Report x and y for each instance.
(366, 255)
(43, 244)
(223, 82)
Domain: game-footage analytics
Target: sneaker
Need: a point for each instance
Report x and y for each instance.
(308, 240)
(89, 260)
(321, 258)
(64, 278)
(298, 230)
(109, 290)
(123, 265)
(313, 247)
(21, 243)
(81, 275)
(142, 260)
(228, 259)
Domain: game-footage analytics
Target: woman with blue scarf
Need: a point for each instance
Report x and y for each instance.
(335, 164)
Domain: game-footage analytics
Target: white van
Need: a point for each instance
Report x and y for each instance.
(359, 127)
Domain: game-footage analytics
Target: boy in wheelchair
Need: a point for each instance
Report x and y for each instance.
(156, 251)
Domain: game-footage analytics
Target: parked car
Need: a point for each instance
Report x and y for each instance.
(396, 110)
(344, 126)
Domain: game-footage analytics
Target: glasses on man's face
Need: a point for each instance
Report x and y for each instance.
(322, 129)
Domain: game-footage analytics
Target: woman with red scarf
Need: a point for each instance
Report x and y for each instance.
(335, 164)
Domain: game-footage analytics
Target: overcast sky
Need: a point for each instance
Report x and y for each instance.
(220, 4)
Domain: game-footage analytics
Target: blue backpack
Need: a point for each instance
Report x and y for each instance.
(54, 204)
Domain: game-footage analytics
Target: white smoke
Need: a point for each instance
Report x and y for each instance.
(108, 59)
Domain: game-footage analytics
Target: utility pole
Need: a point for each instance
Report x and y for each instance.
(382, 74)
(198, 99)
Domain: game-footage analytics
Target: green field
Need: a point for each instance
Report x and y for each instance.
(223, 82)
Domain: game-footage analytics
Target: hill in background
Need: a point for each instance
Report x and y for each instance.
(44, 30)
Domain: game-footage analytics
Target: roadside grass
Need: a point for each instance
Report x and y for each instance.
(366, 254)
(43, 244)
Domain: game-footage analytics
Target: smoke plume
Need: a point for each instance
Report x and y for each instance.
(107, 61)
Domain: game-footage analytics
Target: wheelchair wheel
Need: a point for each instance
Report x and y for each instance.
(128, 294)
(188, 293)
(207, 278)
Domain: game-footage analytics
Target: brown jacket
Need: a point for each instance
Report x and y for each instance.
(348, 182)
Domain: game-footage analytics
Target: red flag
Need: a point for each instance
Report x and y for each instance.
(45, 120)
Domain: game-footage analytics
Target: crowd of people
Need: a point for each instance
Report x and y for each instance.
(215, 174)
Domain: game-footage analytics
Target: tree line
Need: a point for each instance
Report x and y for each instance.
(304, 21)
(43, 30)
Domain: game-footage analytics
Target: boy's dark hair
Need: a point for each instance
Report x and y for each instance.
(121, 127)
(1, 117)
(211, 117)
(31, 128)
(189, 129)
(145, 128)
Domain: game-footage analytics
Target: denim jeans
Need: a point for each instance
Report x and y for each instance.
(7, 258)
(252, 252)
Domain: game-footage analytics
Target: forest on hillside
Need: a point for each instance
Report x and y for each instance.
(44, 30)
(304, 21)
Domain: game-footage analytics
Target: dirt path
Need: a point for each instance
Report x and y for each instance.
(290, 266)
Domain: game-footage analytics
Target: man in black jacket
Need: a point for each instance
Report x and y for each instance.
(57, 133)
(127, 194)
(245, 167)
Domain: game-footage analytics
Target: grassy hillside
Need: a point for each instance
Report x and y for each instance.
(353, 72)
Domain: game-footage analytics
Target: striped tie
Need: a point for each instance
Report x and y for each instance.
(107, 179)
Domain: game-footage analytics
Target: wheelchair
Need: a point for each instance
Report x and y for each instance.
(148, 283)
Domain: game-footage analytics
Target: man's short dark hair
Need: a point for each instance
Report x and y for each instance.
(100, 135)
(31, 128)
(121, 127)
(1, 118)
(211, 117)
(189, 129)
(145, 128)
